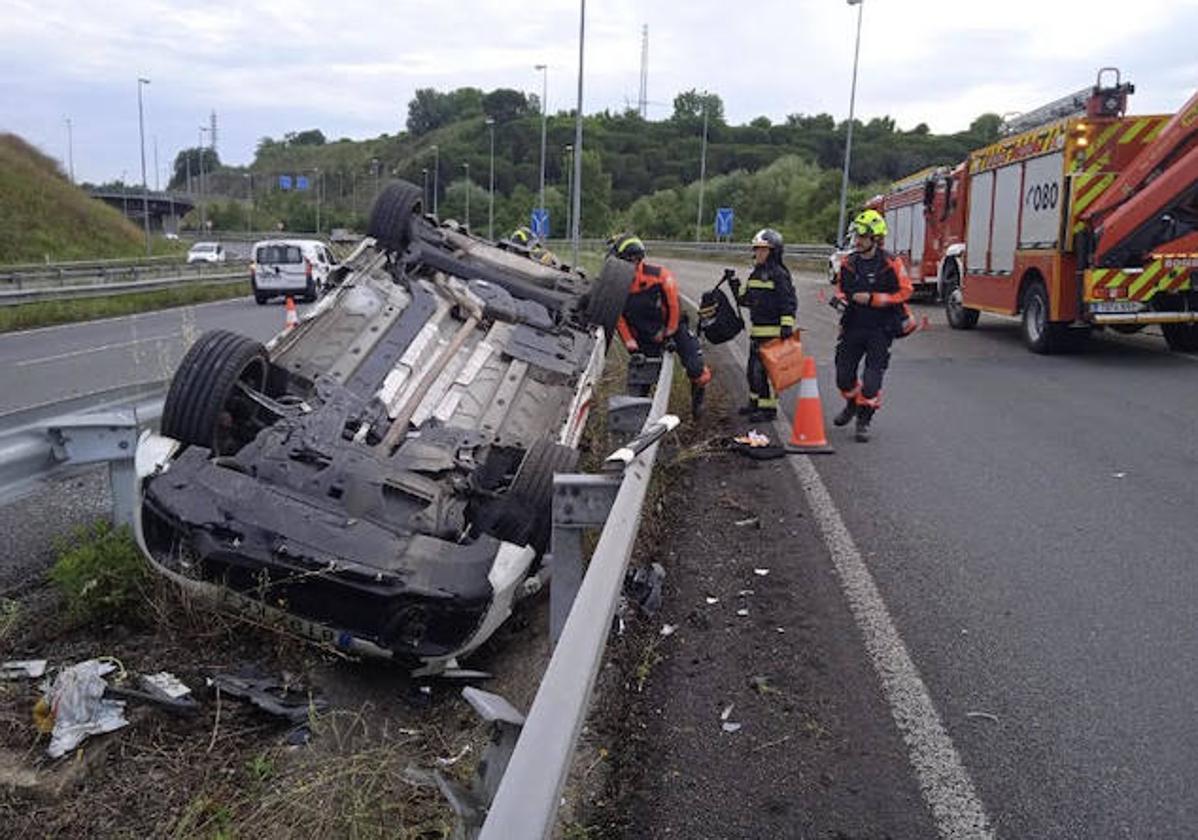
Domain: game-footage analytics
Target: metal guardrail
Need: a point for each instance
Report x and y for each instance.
(58, 276)
(42, 443)
(16, 297)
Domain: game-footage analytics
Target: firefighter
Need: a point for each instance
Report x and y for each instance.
(769, 295)
(652, 320)
(872, 289)
(524, 236)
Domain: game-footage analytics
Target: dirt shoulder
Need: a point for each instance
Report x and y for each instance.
(814, 751)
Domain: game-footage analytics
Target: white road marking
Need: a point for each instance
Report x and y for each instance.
(87, 351)
(77, 324)
(946, 785)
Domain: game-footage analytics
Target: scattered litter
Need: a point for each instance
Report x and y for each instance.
(752, 520)
(762, 685)
(742, 612)
(731, 727)
(752, 438)
(761, 572)
(452, 760)
(163, 689)
(642, 585)
(745, 593)
(76, 704)
(727, 713)
(984, 715)
(166, 683)
(668, 629)
(22, 669)
(1119, 475)
(273, 696)
(711, 599)
(781, 629)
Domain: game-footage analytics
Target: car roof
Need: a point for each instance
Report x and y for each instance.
(206, 245)
(299, 243)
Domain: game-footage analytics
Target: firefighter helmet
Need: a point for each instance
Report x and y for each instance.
(870, 223)
(628, 247)
(522, 236)
(768, 238)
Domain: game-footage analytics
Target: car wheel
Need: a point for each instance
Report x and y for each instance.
(526, 515)
(1181, 338)
(960, 317)
(204, 406)
(605, 302)
(391, 216)
(1040, 334)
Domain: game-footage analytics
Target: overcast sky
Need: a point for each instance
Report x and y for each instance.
(350, 67)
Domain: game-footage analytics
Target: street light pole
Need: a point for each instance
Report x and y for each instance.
(491, 188)
(848, 143)
(544, 68)
(436, 180)
(577, 204)
(569, 184)
(702, 174)
(424, 191)
(466, 166)
(203, 223)
(145, 198)
(250, 177)
(318, 183)
(70, 151)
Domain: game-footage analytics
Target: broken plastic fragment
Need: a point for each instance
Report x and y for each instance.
(724, 715)
(761, 572)
(731, 727)
(452, 760)
(742, 612)
(16, 669)
(711, 599)
(80, 709)
(668, 629)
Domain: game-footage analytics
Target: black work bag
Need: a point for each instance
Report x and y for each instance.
(719, 320)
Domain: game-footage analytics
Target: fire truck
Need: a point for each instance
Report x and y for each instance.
(1074, 222)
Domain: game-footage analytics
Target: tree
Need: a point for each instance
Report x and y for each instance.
(504, 105)
(427, 110)
(188, 160)
(762, 122)
(311, 137)
(986, 128)
(689, 107)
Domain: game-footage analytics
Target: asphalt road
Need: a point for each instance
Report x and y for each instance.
(1027, 521)
(45, 365)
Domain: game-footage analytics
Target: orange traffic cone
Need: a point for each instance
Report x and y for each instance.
(807, 434)
(292, 320)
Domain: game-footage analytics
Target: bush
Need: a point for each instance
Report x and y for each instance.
(101, 574)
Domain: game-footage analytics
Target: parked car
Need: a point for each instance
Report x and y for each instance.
(209, 252)
(379, 477)
(295, 267)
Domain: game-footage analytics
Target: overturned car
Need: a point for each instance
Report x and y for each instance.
(380, 476)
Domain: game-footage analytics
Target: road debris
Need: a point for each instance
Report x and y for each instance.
(668, 629)
(454, 759)
(642, 586)
(731, 727)
(276, 697)
(22, 669)
(711, 599)
(742, 612)
(983, 715)
(761, 572)
(727, 713)
(76, 705)
(1119, 475)
(745, 593)
(761, 685)
(752, 520)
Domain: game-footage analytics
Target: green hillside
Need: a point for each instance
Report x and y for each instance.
(43, 216)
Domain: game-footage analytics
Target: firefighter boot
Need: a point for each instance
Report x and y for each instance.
(846, 414)
(864, 415)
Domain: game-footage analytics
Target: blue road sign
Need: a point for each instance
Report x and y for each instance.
(723, 221)
(301, 182)
(540, 222)
(284, 182)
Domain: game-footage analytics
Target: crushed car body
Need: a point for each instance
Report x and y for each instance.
(379, 478)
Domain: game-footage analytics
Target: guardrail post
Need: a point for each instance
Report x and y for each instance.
(94, 438)
(580, 501)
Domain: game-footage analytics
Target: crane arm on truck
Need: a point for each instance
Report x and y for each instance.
(1154, 200)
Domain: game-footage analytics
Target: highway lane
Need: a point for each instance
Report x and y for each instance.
(1028, 522)
(54, 363)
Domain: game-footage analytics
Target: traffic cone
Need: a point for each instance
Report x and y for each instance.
(924, 324)
(292, 320)
(807, 433)
(821, 297)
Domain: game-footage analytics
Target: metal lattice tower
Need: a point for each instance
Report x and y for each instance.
(643, 100)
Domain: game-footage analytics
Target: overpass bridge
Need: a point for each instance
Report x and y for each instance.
(165, 208)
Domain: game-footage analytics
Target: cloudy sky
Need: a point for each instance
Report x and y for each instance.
(349, 67)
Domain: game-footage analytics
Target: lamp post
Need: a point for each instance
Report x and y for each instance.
(203, 223)
(702, 173)
(249, 176)
(424, 191)
(577, 203)
(848, 143)
(70, 151)
(317, 188)
(491, 188)
(544, 68)
(124, 194)
(145, 198)
(374, 164)
(466, 167)
(569, 183)
(436, 179)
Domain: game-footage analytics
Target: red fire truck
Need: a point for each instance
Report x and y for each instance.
(1083, 221)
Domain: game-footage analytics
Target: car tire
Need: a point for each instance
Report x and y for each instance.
(960, 317)
(1039, 333)
(1181, 338)
(526, 515)
(609, 292)
(391, 217)
(202, 406)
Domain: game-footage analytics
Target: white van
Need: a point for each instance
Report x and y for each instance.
(290, 267)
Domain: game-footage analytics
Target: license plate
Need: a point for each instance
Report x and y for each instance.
(1112, 306)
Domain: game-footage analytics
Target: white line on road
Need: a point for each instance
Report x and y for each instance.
(148, 313)
(87, 351)
(943, 780)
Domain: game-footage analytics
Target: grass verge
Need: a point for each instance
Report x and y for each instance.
(49, 312)
(101, 575)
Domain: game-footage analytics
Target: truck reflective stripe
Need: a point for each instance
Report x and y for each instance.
(1130, 134)
(1151, 272)
(1094, 192)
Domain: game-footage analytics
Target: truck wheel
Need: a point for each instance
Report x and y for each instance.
(526, 517)
(204, 406)
(960, 317)
(1126, 329)
(605, 302)
(1181, 338)
(1040, 334)
(391, 216)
